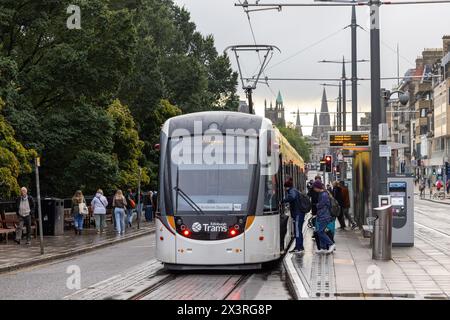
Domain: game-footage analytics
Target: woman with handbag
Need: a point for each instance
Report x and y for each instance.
(78, 211)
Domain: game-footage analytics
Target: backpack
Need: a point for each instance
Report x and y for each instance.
(132, 204)
(335, 207)
(304, 203)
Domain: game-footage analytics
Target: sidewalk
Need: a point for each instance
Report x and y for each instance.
(419, 272)
(428, 198)
(14, 256)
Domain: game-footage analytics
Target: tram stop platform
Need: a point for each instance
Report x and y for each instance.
(419, 272)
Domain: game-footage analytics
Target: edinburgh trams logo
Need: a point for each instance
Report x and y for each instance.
(196, 227)
(209, 227)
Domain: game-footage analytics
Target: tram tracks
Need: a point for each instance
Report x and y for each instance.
(199, 286)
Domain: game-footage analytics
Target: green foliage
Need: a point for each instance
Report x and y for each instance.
(14, 159)
(127, 146)
(92, 101)
(299, 143)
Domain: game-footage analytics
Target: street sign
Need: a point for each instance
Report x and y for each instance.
(350, 139)
(385, 151)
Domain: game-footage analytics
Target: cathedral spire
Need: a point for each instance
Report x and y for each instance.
(324, 118)
(298, 125)
(315, 130)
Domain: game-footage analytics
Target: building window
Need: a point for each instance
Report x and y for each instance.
(279, 115)
(423, 113)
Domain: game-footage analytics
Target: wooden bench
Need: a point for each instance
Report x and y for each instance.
(12, 222)
(4, 229)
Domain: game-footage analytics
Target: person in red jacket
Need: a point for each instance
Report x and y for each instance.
(439, 185)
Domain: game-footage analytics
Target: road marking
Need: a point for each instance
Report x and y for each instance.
(432, 229)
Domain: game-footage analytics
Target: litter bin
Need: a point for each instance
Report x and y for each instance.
(382, 233)
(52, 216)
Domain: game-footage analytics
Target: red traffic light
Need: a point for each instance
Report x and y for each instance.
(328, 158)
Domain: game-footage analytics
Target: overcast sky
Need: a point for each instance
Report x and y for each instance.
(298, 32)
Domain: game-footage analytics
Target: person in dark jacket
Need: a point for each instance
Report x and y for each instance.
(337, 194)
(148, 206)
(293, 198)
(346, 207)
(155, 201)
(314, 196)
(24, 210)
(129, 198)
(323, 218)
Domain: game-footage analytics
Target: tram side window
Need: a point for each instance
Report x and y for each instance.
(270, 193)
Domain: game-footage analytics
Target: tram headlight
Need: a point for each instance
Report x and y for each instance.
(186, 233)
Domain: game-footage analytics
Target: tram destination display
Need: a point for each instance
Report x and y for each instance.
(360, 139)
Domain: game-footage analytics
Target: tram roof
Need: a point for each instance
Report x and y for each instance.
(225, 120)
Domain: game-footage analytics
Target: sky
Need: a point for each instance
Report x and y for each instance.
(306, 35)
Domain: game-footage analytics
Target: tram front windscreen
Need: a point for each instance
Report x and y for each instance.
(220, 184)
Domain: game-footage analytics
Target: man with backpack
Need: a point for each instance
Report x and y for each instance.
(299, 205)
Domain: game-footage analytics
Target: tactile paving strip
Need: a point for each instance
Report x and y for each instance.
(322, 277)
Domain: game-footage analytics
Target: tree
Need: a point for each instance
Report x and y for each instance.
(14, 158)
(91, 101)
(299, 143)
(127, 146)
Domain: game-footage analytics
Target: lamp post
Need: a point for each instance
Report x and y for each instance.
(139, 200)
(37, 163)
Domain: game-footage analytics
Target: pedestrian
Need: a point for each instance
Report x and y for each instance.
(337, 194)
(155, 201)
(139, 204)
(78, 210)
(422, 189)
(448, 186)
(439, 185)
(431, 191)
(148, 206)
(24, 210)
(329, 188)
(324, 217)
(119, 207)
(98, 205)
(346, 205)
(293, 197)
(131, 205)
(314, 196)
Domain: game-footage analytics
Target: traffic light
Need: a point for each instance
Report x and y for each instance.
(434, 171)
(328, 161)
(447, 169)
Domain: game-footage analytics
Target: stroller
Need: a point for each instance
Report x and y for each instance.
(329, 230)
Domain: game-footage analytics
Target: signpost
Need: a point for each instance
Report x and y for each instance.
(37, 163)
(385, 151)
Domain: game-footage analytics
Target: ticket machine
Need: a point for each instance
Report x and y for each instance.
(401, 191)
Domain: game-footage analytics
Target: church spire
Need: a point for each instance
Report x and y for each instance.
(279, 99)
(315, 130)
(324, 118)
(298, 125)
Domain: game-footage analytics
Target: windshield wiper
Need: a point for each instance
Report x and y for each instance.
(188, 200)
